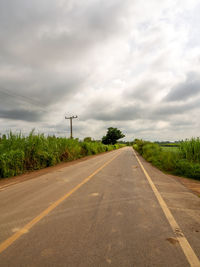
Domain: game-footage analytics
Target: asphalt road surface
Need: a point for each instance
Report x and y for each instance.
(112, 209)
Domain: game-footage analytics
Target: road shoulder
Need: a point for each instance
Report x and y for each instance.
(191, 184)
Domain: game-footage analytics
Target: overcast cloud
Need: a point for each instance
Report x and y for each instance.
(134, 65)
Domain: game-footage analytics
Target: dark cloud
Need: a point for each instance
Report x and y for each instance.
(124, 113)
(186, 90)
(165, 111)
(21, 114)
(36, 33)
(136, 105)
(44, 48)
(37, 97)
(145, 90)
(107, 110)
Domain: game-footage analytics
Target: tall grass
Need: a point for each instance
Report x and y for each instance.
(19, 153)
(183, 160)
(170, 149)
(190, 149)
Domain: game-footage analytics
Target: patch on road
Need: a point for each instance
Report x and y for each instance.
(134, 166)
(172, 240)
(108, 261)
(47, 252)
(94, 194)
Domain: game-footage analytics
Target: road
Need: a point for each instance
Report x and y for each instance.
(113, 209)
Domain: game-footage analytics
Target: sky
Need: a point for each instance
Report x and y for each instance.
(130, 64)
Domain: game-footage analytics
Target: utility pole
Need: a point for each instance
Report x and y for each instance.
(71, 118)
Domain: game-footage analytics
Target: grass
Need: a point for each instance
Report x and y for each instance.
(169, 144)
(183, 160)
(19, 154)
(170, 149)
(190, 150)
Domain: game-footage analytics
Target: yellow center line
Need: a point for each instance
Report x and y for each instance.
(187, 249)
(4, 186)
(29, 225)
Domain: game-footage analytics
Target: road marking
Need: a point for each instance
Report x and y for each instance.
(4, 186)
(187, 249)
(29, 225)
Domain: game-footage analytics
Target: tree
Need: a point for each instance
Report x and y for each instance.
(113, 134)
(87, 139)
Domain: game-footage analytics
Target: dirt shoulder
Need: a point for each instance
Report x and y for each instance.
(191, 184)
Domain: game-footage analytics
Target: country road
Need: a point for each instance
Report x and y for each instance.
(113, 209)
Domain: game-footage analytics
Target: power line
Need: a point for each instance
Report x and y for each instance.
(25, 99)
(8, 92)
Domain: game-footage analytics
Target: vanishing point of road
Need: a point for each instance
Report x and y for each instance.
(113, 209)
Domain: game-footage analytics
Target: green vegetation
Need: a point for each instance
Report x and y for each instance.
(183, 160)
(168, 144)
(170, 148)
(190, 150)
(19, 153)
(112, 135)
(87, 139)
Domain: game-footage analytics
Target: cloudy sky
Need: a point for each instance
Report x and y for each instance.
(130, 64)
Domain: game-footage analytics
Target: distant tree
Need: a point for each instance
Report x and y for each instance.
(87, 139)
(113, 134)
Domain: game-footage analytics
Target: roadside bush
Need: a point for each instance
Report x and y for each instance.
(139, 144)
(167, 161)
(187, 169)
(151, 151)
(183, 161)
(11, 163)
